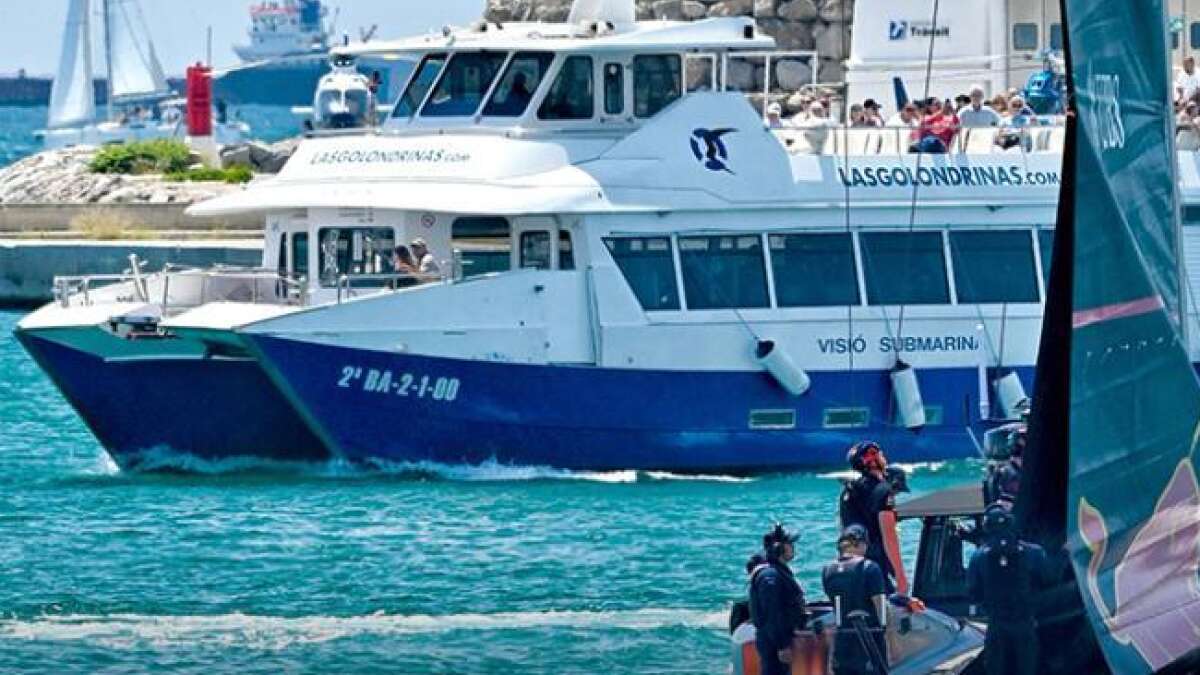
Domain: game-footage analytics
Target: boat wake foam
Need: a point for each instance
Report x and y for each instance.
(164, 460)
(128, 631)
(910, 468)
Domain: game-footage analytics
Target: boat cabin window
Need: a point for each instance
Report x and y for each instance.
(354, 251)
(723, 272)
(814, 270)
(518, 85)
(994, 267)
(535, 250)
(1194, 35)
(300, 254)
(463, 84)
(1025, 36)
(485, 242)
(649, 268)
(572, 97)
(419, 86)
(566, 252)
(1056, 41)
(905, 268)
(297, 244)
(614, 89)
(1046, 244)
(657, 82)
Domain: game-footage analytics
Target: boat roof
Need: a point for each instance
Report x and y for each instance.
(961, 500)
(715, 34)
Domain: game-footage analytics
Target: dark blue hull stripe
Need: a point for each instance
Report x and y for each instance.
(209, 408)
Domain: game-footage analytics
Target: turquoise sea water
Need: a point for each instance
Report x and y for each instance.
(17, 124)
(325, 568)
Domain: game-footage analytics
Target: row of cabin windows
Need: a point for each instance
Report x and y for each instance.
(1193, 36)
(456, 85)
(822, 269)
(1025, 36)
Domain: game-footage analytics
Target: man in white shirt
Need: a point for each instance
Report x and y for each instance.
(775, 116)
(907, 117)
(976, 114)
(1187, 83)
(426, 264)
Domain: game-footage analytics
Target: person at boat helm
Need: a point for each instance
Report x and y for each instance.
(777, 606)
(426, 264)
(870, 501)
(854, 585)
(1002, 578)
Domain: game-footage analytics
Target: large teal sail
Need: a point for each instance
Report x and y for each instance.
(1132, 517)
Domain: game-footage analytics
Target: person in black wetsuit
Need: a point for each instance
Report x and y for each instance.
(1003, 577)
(870, 501)
(777, 606)
(855, 586)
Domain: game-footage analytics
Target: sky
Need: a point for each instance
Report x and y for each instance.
(31, 30)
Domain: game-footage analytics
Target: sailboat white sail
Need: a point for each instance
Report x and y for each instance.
(72, 99)
(617, 12)
(133, 66)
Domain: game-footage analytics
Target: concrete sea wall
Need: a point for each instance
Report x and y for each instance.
(28, 268)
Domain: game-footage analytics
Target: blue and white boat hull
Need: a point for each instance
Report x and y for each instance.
(376, 406)
(181, 402)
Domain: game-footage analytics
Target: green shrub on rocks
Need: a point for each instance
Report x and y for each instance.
(234, 174)
(142, 157)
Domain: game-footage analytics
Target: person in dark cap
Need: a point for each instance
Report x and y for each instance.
(777, 606)
(854, 584)
(873, 112)
(1003, 577)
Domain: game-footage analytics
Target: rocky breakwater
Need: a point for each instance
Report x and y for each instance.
(822, 26)
(61, 193)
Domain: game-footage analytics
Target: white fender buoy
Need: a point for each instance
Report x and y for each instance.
(910, 408)
(781, 367)
(1010, 395)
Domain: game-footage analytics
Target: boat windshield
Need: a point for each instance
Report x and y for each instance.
(520, 81)
(464, 82)
(420, 84)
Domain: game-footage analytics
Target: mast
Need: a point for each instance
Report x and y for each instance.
(108, 59)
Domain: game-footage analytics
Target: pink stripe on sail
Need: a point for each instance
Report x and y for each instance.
(1121, 310)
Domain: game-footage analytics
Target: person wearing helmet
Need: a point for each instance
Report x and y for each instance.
(1003, 481)
(855, 586)
(777, 606)
(1002, 578)
(870, 501)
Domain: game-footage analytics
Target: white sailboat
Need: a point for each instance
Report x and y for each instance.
(138, 93)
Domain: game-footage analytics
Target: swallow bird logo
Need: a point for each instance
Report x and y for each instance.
(710, 150)
(1157, 582)
(897, 30)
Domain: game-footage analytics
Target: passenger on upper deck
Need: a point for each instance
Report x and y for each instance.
(1187, 82)
(1016, 125)
(937, 130)
(816, 126)
(976, 114)
(775, 116)
(873, 113)
(906, 117)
